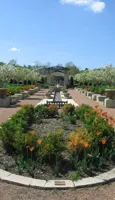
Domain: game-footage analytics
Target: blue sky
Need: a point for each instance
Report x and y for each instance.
(58, 31)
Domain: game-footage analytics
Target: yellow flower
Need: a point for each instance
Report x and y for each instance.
(39, 142)
(61, 131)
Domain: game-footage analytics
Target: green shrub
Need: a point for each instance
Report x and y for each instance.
(53, 110)
(41, 111)
(72, 119)
(68, 109)
(12, 131)
(44, 86)
(49, 148)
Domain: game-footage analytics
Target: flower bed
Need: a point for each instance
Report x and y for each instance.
(79, 141)
(11, 90)
(98, 89)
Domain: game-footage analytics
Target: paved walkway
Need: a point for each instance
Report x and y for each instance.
(82, 99)
(5, 113)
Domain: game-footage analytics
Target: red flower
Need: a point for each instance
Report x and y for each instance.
(104, 114)
(103, 141)
(96, 106)
(97, 133)
(111, 118)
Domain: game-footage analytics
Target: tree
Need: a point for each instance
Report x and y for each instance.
(73, 69)
(71, 82)
(2, 63)
(12, 62)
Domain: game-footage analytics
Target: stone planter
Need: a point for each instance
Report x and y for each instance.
(94, 97)
(13, 99)
(5, 102)
(3, 92)
(89, 94)
(19, 96)
(32, 91)
(82, 91)
(101, 99)
(109, 103)
(85, 93)
(110, 93)
(25, 94)
(36, 89)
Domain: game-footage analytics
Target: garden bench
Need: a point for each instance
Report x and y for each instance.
(59, 103)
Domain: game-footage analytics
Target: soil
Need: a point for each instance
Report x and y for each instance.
(52, 125)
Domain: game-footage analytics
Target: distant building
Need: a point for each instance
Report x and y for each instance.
(56, 75)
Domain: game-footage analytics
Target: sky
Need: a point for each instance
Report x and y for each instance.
(58, 31)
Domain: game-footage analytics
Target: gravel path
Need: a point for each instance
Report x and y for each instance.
(5, 113)
(14, 192)
(82, 99)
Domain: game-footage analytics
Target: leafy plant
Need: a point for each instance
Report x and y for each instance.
(53, 110)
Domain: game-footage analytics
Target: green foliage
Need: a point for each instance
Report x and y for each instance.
(74, 176)
(44, 86)
(41, 111)
(53, 110)
(50, 147)
(68, 109)
(72, 68)
(71, 82)
(13, 130)
(72, 119)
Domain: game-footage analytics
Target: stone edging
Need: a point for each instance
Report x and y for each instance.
(60, 184)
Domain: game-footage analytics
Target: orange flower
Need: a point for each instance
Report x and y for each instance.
(111, 125)
(97, 133)
(96, 106)
(39, 142)
(103, 141)
(31, 148)
(111, 118)
(104, 114)
(86, 144)
(75, 143)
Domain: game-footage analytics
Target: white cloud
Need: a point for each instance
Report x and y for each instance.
(97, 6)
(75, 2)
(14, 49)
(94, 5)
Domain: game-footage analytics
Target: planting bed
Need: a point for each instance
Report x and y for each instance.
(47, 144)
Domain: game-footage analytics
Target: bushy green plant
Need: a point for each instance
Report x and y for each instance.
(74, 176)
(53, 110)
(12, 131)
(68, 109)
(50, 146)
(72, 119)
(41, 111)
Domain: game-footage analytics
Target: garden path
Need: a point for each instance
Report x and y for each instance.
(5, 113)
(58, 96)
(82, 99)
